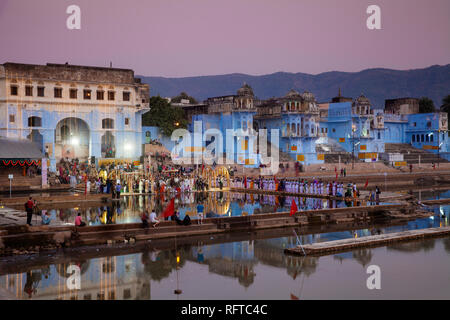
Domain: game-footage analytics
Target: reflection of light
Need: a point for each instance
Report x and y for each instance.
(74, 141)
(178, 259)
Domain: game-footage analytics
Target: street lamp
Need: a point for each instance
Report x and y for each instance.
(353, 145)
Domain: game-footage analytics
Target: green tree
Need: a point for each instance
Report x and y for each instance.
(163, 115)
(446, 108)
(184, 95)
(426, 105)
(446, 104)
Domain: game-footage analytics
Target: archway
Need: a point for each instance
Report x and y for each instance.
(72, 139)
(108, 145)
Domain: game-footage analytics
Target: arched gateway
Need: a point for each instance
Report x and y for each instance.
(72, 138)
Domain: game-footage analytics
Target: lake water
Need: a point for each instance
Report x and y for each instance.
(253, 269)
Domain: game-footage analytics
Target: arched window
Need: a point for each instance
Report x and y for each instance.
(107, 123)
(431, 137)
(34, 122)
(413, 138)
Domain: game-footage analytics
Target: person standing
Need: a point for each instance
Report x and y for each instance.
(118, 189)
(377, 194)
(29, 205)
(200, 209)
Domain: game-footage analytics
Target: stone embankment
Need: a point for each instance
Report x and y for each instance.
(26, 239)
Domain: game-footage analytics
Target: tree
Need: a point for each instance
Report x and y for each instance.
(446, 107)
(446, 104)
(184, 95)
(163, 115)
(426, 105)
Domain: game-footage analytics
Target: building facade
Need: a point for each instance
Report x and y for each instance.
(74, 111)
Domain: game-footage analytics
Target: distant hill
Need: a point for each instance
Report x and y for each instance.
(377, 84)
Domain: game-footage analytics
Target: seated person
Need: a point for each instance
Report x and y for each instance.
(79, 221)
(45, 218)
(144, 219)
(153, 219)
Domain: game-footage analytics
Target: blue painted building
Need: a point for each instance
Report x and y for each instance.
(74, 111)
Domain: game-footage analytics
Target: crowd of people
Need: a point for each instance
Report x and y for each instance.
(302, 186)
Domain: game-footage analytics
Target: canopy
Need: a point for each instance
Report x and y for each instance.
(19, 149)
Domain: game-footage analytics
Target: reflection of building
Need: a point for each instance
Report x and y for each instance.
(233, 259)
(108, 278)
(73, 111)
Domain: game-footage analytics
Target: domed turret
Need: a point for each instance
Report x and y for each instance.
(308, 96)
(362, 99)
(292, 94)
(245, 90)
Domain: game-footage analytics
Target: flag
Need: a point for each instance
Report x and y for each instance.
(367, 183)
(170, 210)
(245, 182)
(294, 208)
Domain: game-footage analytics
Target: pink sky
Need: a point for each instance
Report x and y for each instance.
(205, 37)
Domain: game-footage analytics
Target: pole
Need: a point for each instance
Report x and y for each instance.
(439, 148)
(10, 187)
(353, 149)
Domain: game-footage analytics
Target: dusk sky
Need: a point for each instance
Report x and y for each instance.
(179, 38)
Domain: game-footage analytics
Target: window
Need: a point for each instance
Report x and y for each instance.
(29, 91)
(126, 96)
(111, 95)
(100, 95)
(107, 123)
(127, 121)
(40, 91)
(414, 124)
(379, 136)
(87, 297)
(422, 138)
(12, 118)
(431, 137)
(34, 122)
(427, 138)
(58, 92)
(73, 93)
(413, 138)
(87, 94)
(334, 130)
(14, 90)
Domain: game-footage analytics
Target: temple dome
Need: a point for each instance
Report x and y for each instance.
(245, 90)
(362, 99)
(308, 96)
(292, 93)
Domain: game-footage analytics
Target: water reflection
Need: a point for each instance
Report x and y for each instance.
(151, 274)
(217, 204)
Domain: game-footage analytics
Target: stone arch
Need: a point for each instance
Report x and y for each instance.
(72, 138)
